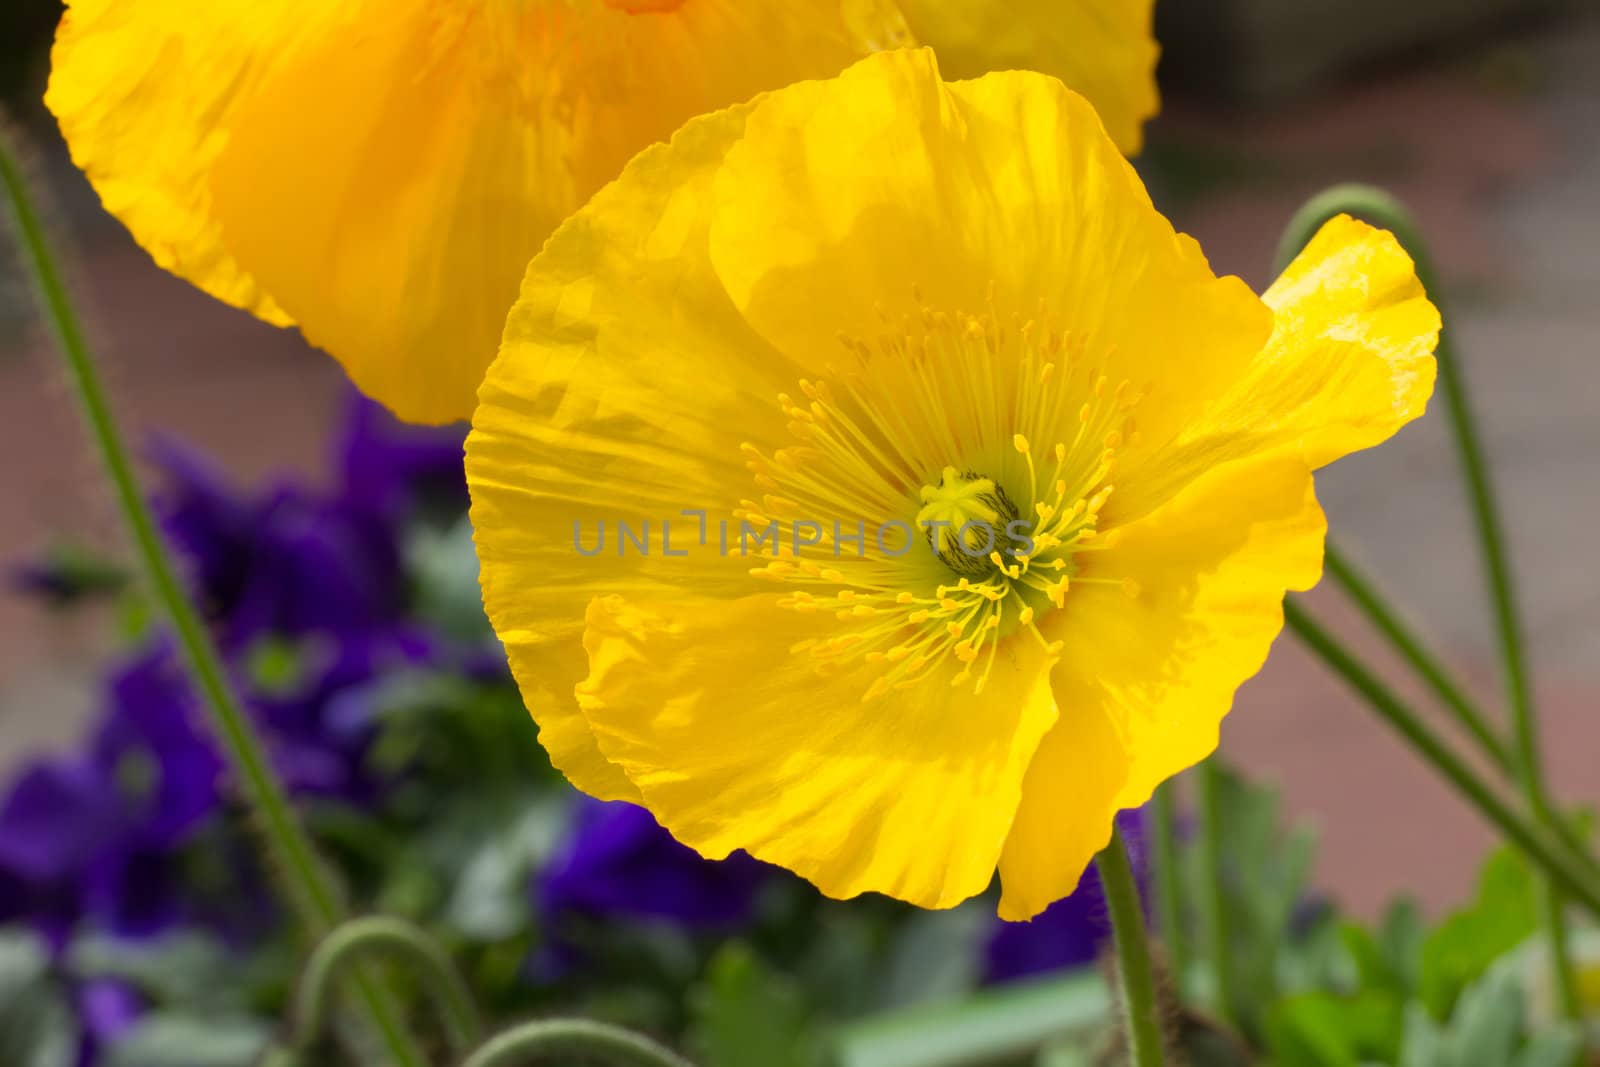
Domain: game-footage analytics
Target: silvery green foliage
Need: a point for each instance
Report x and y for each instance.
(36, 1029)
(1486, 1030)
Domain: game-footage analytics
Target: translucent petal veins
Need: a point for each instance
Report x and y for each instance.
(912, 505)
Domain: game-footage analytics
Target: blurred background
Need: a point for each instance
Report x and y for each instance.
(1482, 115)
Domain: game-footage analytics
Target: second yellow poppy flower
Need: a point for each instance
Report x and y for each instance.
(380, 174)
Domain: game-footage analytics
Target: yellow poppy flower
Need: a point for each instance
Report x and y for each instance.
(380, 175)
(813, 328)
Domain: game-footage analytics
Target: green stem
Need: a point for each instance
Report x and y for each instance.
(1169, 892)
(1141, 1015)
(573, 1038)
(1533, 839)
(311, 892)
(1213, 899)
(381, 935)
(1444, 686)
(1379, 207)
(1471, 717)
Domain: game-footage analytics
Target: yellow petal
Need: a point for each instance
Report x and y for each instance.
(623, 392)
(736, 741)
(1148, 670)
(382, 176)
(1208, 572)
(851, 205)
(421, 205)
(1103, 49)
(145, 93)
(1350, 361)
(1069, 797)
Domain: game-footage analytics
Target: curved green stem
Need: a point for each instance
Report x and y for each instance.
(1533, 839)
(1379, 207)
(311, 892)
(1169, 891)
(533, 1041)
(1213, 899)
(1471, 717)
(1141, 1015)
(1438, 678)
(357, 939)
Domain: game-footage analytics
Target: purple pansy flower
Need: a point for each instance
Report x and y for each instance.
(393, 469)
(151, 743)
(1071, 932)
(287, 562)
(106, 1009)
(616, 861)
(55, 822)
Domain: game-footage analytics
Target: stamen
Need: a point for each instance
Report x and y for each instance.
(931, 425)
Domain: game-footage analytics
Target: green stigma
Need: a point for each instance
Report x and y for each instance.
(965, 518)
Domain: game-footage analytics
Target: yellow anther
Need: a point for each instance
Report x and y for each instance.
(1130, 586)
(1020, 443)
(954, 629)
(1026, 616)
(949, 604)
(918, 617)
(905, 598)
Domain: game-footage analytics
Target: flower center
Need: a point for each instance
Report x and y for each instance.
(967, 518)
(913, 508)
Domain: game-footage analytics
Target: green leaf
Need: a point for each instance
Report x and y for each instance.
(1557, 1047)
(996, 1025)
(745, 1015)
(445, 568)
(1401, 936)
(934, 954)
(1323, 1030)
(1424, 1044)
(1266, 889)
(1487, 1025)
(36, 1027)
(185, 966)
(1486, 1029)
(490, 898)
(176, 1040)
(1459, 952)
